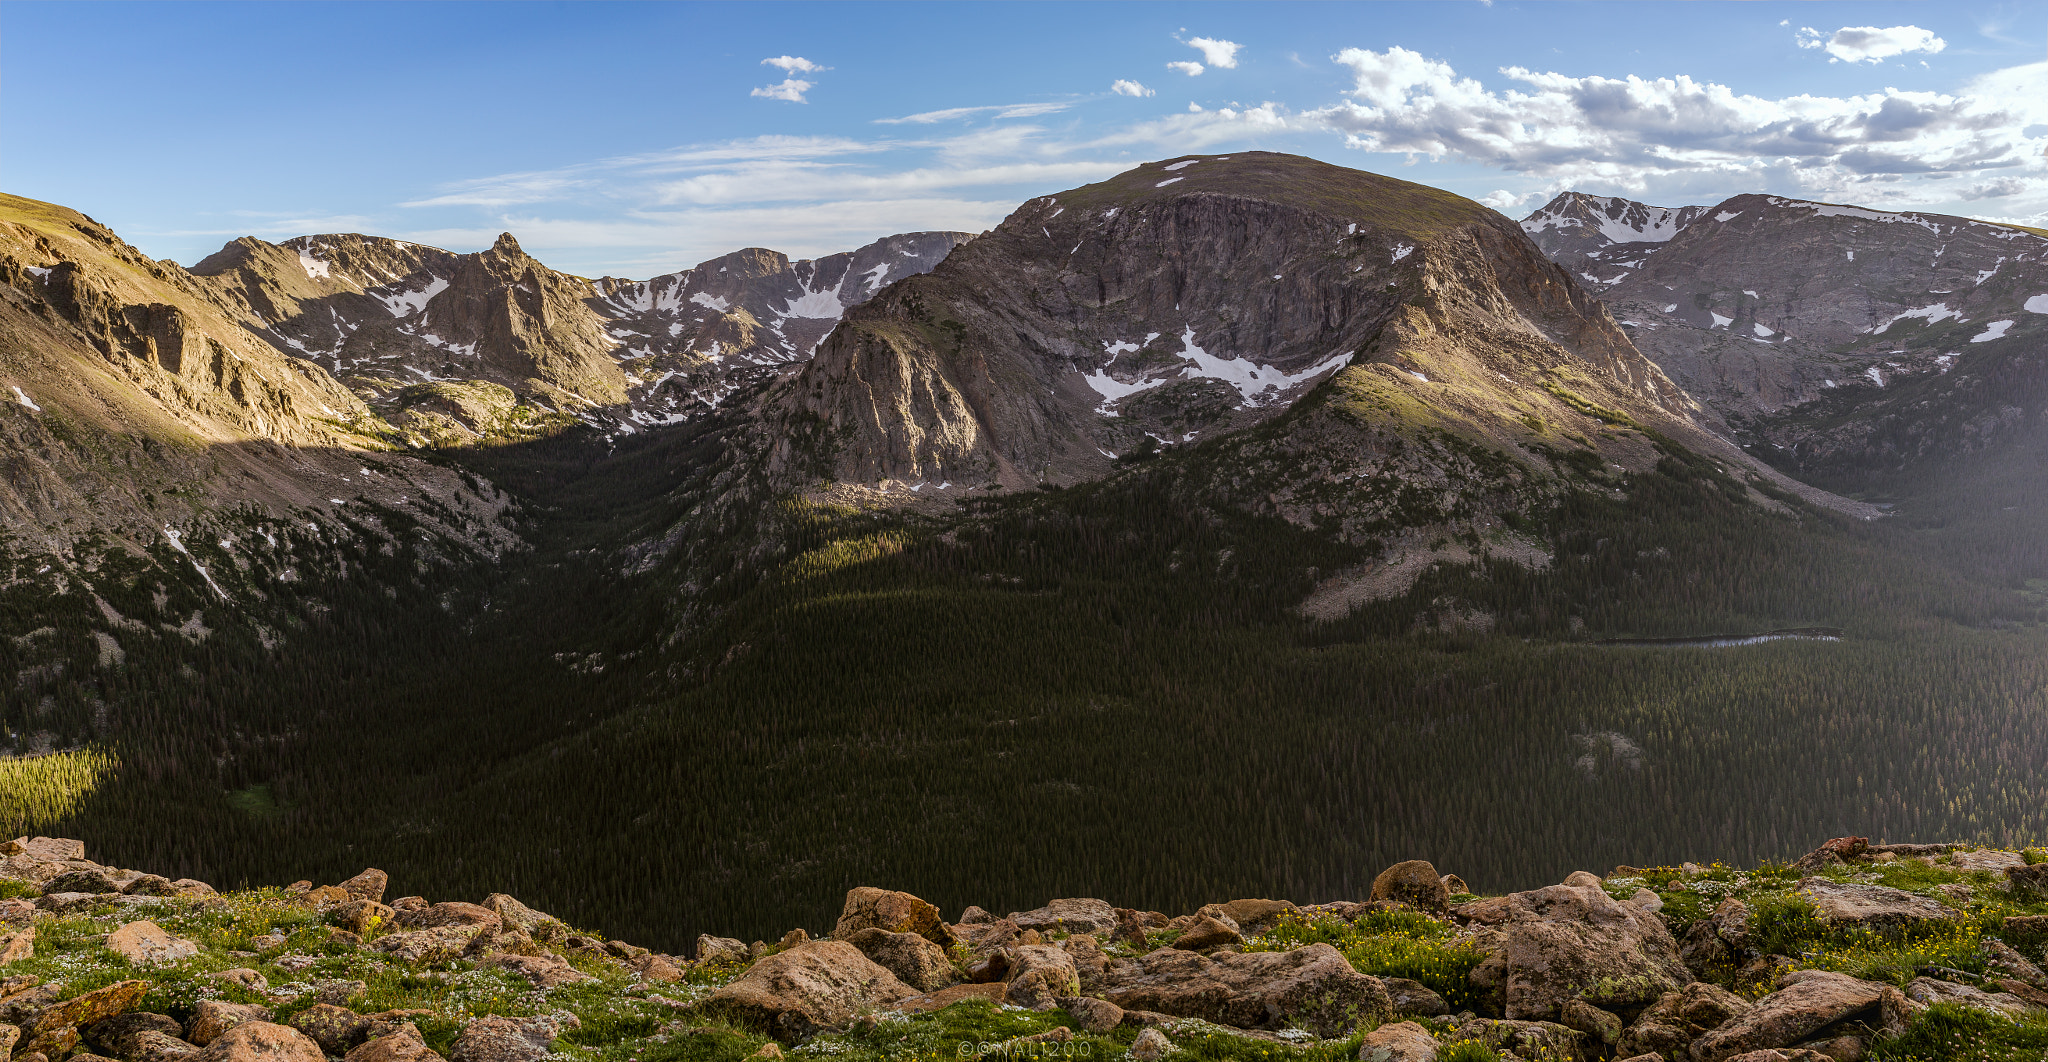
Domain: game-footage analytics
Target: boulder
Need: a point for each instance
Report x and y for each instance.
(1990, 859)
(453, 913)
(1090, 962)
(428, 945)
(360, 916)
(27, 997)
(1717, 945)
(1599, 1026)
(974, 916)
(1068, 916)
(1669, 1024)
(1575, 942)
(1313, 987)
(54, 1029)
(1414, 883)
(147, 944)
(946, 997)
(1400, 1042)
(1098, 1016)
(156, 1047)
(2026, 932)
(2029, 882)
(1413, 999)
(368, 885)
(984, 939)
(1150, 1046)
(1456, 886)
(1527, 1039)
(404, 1045)
(897, 912)
(544, 971)
(46, 849)
(496, 1039)
(823, 984)
(9, 1036)
(1040, 975)
(337, 1030)
(1870, 906)
(1207, 932)
(1931, 991)
(915, 961)
(92, 881)
(1254, 917)
(1810, 1001)
(18, 945)
(720, 949)
(1833, 853)
(150, 885)
(211, 1019)
(539, 925)
(260, 1041)
(253, 980)
(655, 967)
(2004, 959)
(116, 1037)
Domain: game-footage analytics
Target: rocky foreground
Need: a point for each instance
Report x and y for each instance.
(1855, 951)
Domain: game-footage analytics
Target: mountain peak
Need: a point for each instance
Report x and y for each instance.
(506, 245)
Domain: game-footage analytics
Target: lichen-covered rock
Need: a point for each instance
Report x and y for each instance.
(1870, 906)
(1679, 1017)
(368, 885)
(402, 1045)
(823, 984)
(1600, 1026)
(147, 944)
(915, 961)
(18, 945)
(54, 1029)
(150, 885)
(428, 945)
(1098, 1016)
(337, 1030)
(360, 916)
(1073, 915)
(896, 912)
(655, 967)
(211, 1019)
(498, 1039)
(92, 881)
(1930, 991)
(1809, 1001)
(1150, 1046)
(1832, 853)
(260, 1041)
(1415, 883)
(1413, 999)
(1399, 1042)
(1040, 975)
(539, 925)
(545, 971)
(1313, 987)
(117, 1037)
(1527, 1039)
(1716, 946)
(1575, 942)
(720, 949)
(2029, 882)
(1208, 932)
(1254, 917)
(452, 913)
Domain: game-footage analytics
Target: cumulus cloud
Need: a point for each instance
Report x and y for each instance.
(1998, 189)
(794, 64)
(1508, 202)
(792, 90)
(1189, 68)
(1216, 53)
(1128, 88)
(1632, 130)
(1869, 44)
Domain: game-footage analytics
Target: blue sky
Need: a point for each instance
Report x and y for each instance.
(634, 139)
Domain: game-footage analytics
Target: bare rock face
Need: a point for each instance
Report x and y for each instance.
(1810, 1000)
(1569, 942)
(896, 912)
(823, 984)
(1313, 987)
(1602, 240)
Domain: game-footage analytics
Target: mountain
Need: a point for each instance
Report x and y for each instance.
(1599, 239)
(453, 348)
(137, 403)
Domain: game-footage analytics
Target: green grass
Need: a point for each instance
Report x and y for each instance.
(1406, 944)
(1948, 1033)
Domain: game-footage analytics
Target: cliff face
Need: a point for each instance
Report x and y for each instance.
(1601, 240)
(1184, 300)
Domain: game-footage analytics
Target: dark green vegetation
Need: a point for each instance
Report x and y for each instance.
(690, 708)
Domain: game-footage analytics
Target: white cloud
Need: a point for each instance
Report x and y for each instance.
(1507, 202)
(792, 90)
(1128, 88)
(1185, 67)
(1002, 110)
(794, 64)
(1859, 44)
(1635, 132)
(1998, 189)
(1217, 53)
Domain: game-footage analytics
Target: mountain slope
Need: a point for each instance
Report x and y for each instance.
(456, 347)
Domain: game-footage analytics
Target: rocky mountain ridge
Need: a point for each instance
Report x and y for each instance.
(453, 347)
(1672, 964)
